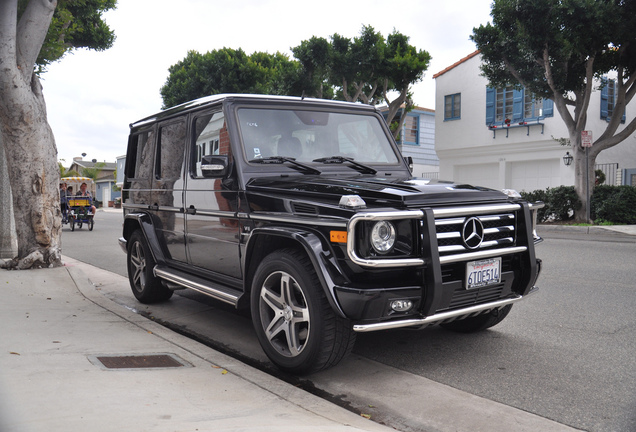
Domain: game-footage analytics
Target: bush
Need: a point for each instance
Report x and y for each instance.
(560, 203)
(615, 204)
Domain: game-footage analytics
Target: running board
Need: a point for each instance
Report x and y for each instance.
(204, 286)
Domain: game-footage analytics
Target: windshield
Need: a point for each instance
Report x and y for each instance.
(312, 136)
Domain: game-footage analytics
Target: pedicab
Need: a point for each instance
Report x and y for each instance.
(78, 210)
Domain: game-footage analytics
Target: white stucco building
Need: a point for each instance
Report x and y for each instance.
(504, 138)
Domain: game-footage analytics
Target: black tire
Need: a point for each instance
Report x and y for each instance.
(90, 224)
(146, 287)
(294, 322)
(480, 322)
(79, 225)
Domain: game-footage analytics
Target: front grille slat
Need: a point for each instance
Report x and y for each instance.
(499, 230)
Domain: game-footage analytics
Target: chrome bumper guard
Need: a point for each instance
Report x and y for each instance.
(442, 316)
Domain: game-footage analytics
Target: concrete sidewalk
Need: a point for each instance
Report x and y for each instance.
(59, 338)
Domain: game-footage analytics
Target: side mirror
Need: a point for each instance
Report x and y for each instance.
(215, 166)
(409, 162)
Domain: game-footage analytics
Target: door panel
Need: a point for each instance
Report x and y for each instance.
(211, 204)
(167, 189)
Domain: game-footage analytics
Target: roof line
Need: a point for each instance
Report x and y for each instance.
(468, 57)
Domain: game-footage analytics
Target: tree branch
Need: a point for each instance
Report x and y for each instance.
(585, 103)
(559, 99)
(8, 20)
(31, 32)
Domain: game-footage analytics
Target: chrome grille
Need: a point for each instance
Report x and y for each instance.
(499, 230)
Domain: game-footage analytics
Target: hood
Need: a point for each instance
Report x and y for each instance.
(375, 191)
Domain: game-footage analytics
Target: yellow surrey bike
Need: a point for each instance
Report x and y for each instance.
(78, 209)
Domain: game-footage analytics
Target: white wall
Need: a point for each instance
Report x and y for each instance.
(520, 158)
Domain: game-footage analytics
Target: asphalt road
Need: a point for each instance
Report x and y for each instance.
(566, 353)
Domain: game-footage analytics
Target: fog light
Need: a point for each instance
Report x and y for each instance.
(401, 305)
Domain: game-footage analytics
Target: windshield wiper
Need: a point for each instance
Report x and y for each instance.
(365, 169)
(282, 159)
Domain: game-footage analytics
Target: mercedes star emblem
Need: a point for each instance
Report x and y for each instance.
(473, 233)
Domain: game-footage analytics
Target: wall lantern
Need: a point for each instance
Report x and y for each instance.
(567, 159)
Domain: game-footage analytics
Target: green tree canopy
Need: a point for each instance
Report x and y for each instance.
(558, 49)
(364, 69)
(75, 24)
(367, 69)
(230, 71)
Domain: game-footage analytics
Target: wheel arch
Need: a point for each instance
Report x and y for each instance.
(264, 241)
(143, 222)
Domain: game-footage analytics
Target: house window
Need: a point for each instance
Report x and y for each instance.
(509, 106)
(452, 106)
(411, 129)
(608, 99)
(505, 102)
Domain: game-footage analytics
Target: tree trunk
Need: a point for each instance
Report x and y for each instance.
(581, 179)
(29, 146)
(31, 157)
(8, 239)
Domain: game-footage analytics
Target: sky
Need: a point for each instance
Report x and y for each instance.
(92, 97)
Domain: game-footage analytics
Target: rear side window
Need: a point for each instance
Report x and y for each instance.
(170, 151)
(139, 161)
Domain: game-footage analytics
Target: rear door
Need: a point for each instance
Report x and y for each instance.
(167, 188)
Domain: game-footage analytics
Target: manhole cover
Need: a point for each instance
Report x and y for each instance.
(138, 361)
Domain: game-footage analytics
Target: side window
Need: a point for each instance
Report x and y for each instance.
(509, 105)
(170, 151)
(608, 99)
(412, 129)
(453, 106)
(210, 138)
(140, 155)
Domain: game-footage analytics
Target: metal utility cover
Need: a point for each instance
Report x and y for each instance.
(138, 361)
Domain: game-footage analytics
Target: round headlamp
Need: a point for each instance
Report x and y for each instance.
(383, 236)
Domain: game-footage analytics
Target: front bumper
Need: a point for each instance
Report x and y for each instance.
(442, 316)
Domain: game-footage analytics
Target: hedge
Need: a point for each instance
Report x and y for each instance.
(609, 204)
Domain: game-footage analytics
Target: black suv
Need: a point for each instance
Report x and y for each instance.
(305, 212)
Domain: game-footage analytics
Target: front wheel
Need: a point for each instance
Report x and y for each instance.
(146, 287)
(294, 322)
(90, 224)
(480, 322)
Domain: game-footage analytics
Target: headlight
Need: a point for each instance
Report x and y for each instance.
(383, 236)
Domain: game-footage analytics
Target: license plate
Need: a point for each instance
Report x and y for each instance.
(483, 273)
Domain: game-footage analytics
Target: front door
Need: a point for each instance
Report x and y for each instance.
(211, 205)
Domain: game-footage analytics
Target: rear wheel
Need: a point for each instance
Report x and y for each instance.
(90, 224)
(146, 287)
(480, 322)
(72, 223)
(294, 322)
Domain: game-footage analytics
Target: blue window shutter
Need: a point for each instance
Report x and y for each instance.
(490, 105)
(548, 107)
(517, 105)
(604, 98)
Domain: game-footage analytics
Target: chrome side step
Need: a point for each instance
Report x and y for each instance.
(442, 316)
(219, 292)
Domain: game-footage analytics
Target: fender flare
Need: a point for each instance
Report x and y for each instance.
(143, 221)
(318, 250)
